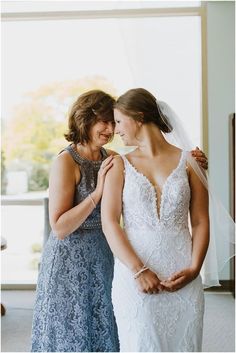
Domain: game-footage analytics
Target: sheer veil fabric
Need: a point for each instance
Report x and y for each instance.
(222, 226)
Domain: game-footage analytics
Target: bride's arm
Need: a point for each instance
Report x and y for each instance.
(111, 209)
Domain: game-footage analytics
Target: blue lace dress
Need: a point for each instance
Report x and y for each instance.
(73, 309)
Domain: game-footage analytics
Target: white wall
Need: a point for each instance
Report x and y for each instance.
(221, 95)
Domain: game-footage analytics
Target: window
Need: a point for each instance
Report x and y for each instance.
(48, 63)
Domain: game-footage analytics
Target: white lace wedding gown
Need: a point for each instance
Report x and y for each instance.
(165, 321)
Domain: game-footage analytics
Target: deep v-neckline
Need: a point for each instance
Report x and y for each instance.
(153, 188)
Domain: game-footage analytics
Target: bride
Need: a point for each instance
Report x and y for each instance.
(157, 288)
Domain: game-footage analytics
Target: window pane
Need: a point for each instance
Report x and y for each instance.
(22, 226)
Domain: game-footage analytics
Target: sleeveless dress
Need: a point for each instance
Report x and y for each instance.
(166, 321)
(73, 309)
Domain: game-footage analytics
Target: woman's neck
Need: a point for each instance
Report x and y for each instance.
(89, 151)
(152, 142)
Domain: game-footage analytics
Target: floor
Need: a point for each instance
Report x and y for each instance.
(219, 321)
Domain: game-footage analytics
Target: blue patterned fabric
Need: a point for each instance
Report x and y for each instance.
(73, 309)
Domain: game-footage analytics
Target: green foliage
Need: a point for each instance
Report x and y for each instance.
(34, 264)
(38, 177)
(3, 174)
(36, 248)
(35, 132)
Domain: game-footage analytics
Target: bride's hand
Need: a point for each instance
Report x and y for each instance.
(179, 279)
(148, 282)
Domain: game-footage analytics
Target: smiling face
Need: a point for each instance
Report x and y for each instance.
(91, 119)
(101, 132)
(126, 127)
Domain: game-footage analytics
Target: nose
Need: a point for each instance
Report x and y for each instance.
(116, 129)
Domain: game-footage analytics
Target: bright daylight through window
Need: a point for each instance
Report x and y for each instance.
(46, 65)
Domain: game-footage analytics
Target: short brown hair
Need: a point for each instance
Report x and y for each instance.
(142, 106)
(89, 108)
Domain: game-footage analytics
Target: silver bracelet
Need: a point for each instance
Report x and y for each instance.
(137, 274)
(94, 204)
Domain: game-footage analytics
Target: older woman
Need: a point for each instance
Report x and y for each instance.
(73, 309)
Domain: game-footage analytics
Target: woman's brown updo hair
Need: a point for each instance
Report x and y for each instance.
(141, 105)
(88, 109)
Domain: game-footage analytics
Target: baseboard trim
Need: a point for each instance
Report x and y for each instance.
(18, 286)
(226, 286)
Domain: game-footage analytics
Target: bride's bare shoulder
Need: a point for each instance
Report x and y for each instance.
(117, 169)
(118, 161)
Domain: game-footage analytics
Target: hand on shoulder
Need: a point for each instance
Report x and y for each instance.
(117, 170)
(200, 157)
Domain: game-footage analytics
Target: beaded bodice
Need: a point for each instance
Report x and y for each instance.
(88, 181)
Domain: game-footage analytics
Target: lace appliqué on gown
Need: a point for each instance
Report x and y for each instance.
(165, 321)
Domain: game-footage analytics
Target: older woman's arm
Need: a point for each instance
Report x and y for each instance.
(64, 217)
